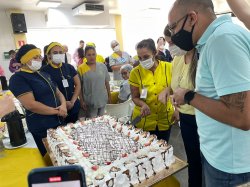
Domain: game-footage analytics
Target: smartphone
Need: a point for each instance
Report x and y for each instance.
(57, 176)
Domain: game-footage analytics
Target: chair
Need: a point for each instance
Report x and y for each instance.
(119, 110)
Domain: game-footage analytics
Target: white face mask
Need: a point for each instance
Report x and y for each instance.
(35, 65)
(147, 64)
(58, 58)
(116, 48)
(176, 51)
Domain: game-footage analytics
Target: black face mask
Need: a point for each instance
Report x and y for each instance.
(183, 39)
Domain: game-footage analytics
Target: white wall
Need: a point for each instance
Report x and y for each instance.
(6, 40)
(40, 34)
(63, 27)
(72, 36)
(139, 23)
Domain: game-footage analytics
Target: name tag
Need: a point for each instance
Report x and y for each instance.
(65, 83)
(144, 93)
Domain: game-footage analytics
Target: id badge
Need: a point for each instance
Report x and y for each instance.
(144, 93)
(65, 83)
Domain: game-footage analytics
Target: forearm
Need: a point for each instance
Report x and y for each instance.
(81, 97)
(138, 102)
(77, 89)
(39, 108)
(108, 88)
(75, 95)
(220, 111)
(241, 10)
(117, 67)
(61, 97)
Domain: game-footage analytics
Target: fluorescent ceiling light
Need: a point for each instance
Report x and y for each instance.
(43, 3)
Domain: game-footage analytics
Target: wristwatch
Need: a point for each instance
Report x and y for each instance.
(189, 96)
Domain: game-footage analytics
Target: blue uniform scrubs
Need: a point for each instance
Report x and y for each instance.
(68, 72)
(44, 91)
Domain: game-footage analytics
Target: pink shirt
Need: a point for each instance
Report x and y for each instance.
(2, 71)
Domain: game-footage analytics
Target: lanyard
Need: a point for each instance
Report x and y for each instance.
(63, 86)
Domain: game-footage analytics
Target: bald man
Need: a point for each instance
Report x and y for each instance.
(222, 96)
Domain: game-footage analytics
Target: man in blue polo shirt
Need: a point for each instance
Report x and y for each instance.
(222, 96)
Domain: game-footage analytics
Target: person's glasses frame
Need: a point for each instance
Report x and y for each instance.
(172, 26)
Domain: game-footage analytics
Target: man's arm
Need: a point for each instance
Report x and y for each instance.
(230, 109)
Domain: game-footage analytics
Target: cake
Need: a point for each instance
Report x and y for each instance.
(111, 153)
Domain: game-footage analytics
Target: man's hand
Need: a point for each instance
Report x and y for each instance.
(178, 96)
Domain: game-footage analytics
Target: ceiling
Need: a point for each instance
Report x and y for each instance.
(113, 5)
(31, 4)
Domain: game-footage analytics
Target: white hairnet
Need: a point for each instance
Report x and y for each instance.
(127, 67)
(113, 42)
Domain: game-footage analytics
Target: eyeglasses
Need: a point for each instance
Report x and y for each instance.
(172, 27)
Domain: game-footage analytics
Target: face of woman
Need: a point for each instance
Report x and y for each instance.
(35, 63)
(125, 74)
(56, 55)
(91, 56)
(56, 50)
(144, 54)
(37, 58)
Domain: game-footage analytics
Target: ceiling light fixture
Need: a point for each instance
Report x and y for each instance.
(51, 4)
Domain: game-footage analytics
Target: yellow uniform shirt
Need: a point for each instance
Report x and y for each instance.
(99, 58)
(180, 78)
(155, 83)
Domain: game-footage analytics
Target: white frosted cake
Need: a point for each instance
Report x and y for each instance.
(112, 154)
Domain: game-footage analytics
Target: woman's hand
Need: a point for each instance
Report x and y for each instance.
(145, 110)
(62, 110)
(7, 105)
(69, 105)
(164, 95)
(175, 117)
(83, 105)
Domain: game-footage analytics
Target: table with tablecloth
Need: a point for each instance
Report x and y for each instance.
(17, 163)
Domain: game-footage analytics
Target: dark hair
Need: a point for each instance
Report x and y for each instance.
(193, 67)
(23, 50)
(87, 48)
(80, 52)
(45, 58)
(161, 38)
(81, 41)
(11, 52)
(147, 43)
(166, 32)
(196, 4)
